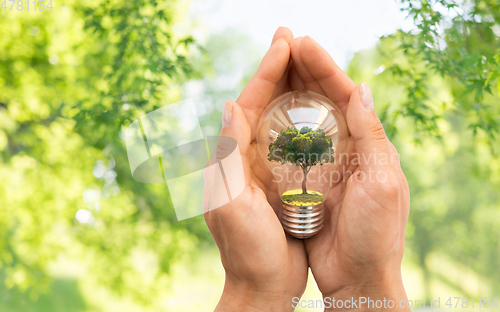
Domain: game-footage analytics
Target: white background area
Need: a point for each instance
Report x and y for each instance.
(343, 27)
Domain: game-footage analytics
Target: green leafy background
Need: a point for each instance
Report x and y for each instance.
(73, 78)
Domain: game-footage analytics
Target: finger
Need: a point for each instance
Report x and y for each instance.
(261, 88)
(379, 173)
(335, 83)
(228, 172)
(371, 143)
(282, 86)
(228, 215)
(235, 125)
(282, 32)
(306, 77)
(294, 80)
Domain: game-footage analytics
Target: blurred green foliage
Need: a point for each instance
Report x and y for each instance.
(72, 79)
(437, 93)
(459, 42)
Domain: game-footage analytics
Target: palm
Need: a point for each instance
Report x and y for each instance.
(275, 257)
(283, 258)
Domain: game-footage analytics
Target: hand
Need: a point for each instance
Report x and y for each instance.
(264, 267)
(359, 250)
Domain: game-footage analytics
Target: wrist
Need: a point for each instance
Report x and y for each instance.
(371, 294)
(245, 298)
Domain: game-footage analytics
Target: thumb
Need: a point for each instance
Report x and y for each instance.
(371, 143)
(228, 171)
(235, 125)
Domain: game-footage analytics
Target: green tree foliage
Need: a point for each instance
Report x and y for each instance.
(70, 81)
(437, 86)
(458, 41)
(305, 148)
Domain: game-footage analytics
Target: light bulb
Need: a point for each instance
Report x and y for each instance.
(302, 134)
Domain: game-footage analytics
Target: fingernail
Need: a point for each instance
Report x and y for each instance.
(366, 96)
(307, 36)
(227, 114)
(280, 40)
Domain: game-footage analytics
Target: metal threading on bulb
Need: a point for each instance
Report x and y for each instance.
(302, 222)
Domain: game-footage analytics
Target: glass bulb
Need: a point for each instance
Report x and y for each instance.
(302, 134)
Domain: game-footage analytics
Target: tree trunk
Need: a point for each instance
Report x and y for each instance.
(304, 189)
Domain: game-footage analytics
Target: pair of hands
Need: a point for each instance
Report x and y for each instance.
(358, 252)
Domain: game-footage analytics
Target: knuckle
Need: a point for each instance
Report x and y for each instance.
(377, 129)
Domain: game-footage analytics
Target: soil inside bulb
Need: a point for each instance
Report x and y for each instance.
(296, 198)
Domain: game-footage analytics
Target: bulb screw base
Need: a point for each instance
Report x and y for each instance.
(302, 222)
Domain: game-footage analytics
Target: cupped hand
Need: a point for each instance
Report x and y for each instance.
(359, 251)
(265, 268)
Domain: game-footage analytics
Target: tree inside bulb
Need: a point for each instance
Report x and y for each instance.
(301, 134)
